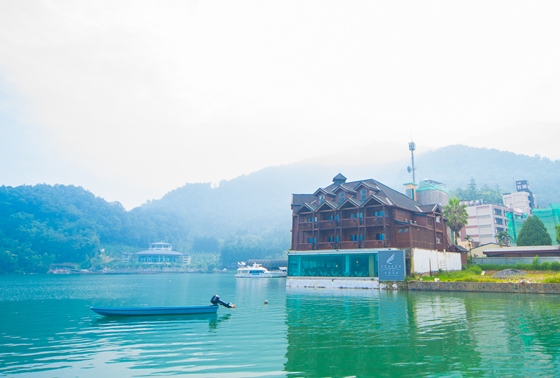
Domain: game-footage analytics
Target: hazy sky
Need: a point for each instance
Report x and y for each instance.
(131, 99)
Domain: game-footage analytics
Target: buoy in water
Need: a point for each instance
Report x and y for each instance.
(266, 301)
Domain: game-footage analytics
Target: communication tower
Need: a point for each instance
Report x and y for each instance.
(412, 147)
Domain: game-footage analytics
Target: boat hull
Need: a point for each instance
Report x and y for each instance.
(262, 275)
(146, 311)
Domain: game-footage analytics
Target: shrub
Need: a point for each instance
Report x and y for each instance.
(474, 269)
(555, 265)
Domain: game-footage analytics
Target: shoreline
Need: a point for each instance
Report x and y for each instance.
(486, 287)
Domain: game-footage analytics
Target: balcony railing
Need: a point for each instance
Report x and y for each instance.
(354, 222)
(341, 245)
(304, 226)
(327, 225)
(373, 244)
(374, 221)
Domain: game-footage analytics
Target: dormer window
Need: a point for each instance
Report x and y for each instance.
(340, 197)
(321, 198)
(363, 194)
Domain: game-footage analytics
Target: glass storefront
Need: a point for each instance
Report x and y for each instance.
(333, 265)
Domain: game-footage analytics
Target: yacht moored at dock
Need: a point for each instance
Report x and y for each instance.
(259, 271)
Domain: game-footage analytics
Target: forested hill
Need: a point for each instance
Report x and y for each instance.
(248, 217)
(456, 165)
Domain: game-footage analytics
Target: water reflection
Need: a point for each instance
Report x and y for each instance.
(55, 335)
(47, 329)
(352, 333)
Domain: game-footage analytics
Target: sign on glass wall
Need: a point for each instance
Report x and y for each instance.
(391, 265)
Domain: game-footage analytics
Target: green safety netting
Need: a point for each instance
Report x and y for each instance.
(550, 216)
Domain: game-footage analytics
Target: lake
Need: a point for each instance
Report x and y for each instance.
(48, 330)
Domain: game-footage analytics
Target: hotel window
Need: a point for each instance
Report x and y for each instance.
(341, 197)
(363, 194)
(321, 198)
(438, 219)
(379, 236)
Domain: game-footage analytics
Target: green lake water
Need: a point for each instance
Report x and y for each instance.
(48, 330)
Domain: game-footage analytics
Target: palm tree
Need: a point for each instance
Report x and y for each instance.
(503, 238)
(456, 215)
(469, 240)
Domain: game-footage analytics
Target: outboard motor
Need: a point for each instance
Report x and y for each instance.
(216, 301)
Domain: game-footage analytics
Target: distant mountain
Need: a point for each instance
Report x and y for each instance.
(247, 217)
(456, 165)
(259, 203)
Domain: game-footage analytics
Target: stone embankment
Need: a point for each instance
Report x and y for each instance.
(489, 287)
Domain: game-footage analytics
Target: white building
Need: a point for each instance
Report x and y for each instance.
(517, 202)
(485, 222)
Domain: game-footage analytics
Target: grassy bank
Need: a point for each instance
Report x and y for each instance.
(481, 273)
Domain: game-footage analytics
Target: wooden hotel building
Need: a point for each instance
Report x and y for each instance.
(338, 230)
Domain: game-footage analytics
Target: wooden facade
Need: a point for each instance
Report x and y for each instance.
(365, 215)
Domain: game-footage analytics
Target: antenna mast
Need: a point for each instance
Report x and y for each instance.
(412, 147)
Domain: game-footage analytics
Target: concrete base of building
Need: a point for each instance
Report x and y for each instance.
(340, 283)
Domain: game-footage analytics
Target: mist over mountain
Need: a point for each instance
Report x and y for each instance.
(261, 200)
(247, 217)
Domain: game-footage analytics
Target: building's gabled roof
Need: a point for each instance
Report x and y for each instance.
(304, 207)
(327, 204)
(340, 177)
(383, 194)
(299, 199)
(344, 187)
(376, 199)
(459, 248)
(349, 202)
(321, 190)
(375, 188)
(431, 208)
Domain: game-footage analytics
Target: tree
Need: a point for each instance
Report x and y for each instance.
(503, 238)
(457, 216)
(472, 190)
(558, 234)
(533, 232)
(469, 240)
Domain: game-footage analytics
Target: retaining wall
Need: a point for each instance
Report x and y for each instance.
(494, 287)
(343, 283)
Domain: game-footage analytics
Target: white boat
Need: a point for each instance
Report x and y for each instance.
(258, 271)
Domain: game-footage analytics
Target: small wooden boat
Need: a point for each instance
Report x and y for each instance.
(174, 310)
(166, 310)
